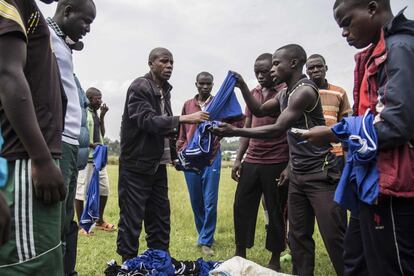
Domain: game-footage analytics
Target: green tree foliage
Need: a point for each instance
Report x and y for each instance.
(114, 147)
(231, 144)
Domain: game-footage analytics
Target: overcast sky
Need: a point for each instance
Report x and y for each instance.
(214, 36)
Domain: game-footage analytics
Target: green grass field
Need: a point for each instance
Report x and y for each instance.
(94, 252)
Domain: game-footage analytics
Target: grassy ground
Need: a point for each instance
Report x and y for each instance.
(94, 252)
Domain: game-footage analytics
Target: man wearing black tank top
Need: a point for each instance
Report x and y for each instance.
(311, 172)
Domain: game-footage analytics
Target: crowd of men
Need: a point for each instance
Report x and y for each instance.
(289, 157)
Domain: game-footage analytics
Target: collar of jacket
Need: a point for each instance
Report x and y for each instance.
(369, 59)
(166, 88)
(55, 27)
(397, 24)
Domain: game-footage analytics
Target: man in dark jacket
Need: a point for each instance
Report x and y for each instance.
(148, 129)
(384, 84)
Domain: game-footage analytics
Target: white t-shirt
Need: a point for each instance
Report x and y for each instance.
(73, 116)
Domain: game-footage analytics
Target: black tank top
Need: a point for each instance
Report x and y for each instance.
(306, 158)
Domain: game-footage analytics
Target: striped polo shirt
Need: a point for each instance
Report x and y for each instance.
(335, 106)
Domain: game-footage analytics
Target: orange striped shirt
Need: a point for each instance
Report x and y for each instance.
(335, 106)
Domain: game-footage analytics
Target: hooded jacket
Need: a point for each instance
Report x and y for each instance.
(390, 85)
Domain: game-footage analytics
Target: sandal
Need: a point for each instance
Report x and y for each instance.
(105, 226)
(82, 232)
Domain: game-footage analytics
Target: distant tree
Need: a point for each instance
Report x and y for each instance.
(226, 156)
(114, 147)
(230, 144)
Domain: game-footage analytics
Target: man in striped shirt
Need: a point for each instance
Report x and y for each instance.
(334, 100)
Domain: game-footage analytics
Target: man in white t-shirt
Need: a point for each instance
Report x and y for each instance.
(70, 23)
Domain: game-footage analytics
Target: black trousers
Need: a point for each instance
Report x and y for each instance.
(354, 260)
(255, 180)
(143, 198)
(387, 238)
(310, 196)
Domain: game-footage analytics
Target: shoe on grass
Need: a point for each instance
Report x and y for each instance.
(206, 250)
(105, 226)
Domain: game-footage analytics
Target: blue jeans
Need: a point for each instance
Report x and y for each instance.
(203, 190)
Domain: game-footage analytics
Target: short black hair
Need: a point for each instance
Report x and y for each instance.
(295, 51)
(76, 4)
(92, 91)
(360, 3)
(317, 56)
(156, 52)
(204, 74)
(265, 56)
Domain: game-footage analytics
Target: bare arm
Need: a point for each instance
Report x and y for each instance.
(244, 144)
(303, 98)
(244, 141)
(18, 106)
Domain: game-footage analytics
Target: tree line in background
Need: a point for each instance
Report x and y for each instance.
(227, 144)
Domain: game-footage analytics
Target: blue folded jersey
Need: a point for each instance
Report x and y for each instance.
(225, 104)
(359, 180)
(197, 154)
(90, 212)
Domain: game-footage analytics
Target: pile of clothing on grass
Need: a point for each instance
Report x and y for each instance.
(157, 262)
(160, 263)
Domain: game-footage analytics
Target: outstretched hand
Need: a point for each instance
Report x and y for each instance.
(224, 130)
(195, 118)
(319, 136)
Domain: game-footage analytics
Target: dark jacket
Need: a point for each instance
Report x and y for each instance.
(144, 128)
(390, 69)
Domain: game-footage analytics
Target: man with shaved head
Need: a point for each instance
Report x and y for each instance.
(148, 134)
(312, 171)
(381, 241)
(70, 23)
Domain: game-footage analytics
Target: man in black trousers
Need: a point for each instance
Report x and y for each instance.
(312, 170)
(148, 132)
(257, 174)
